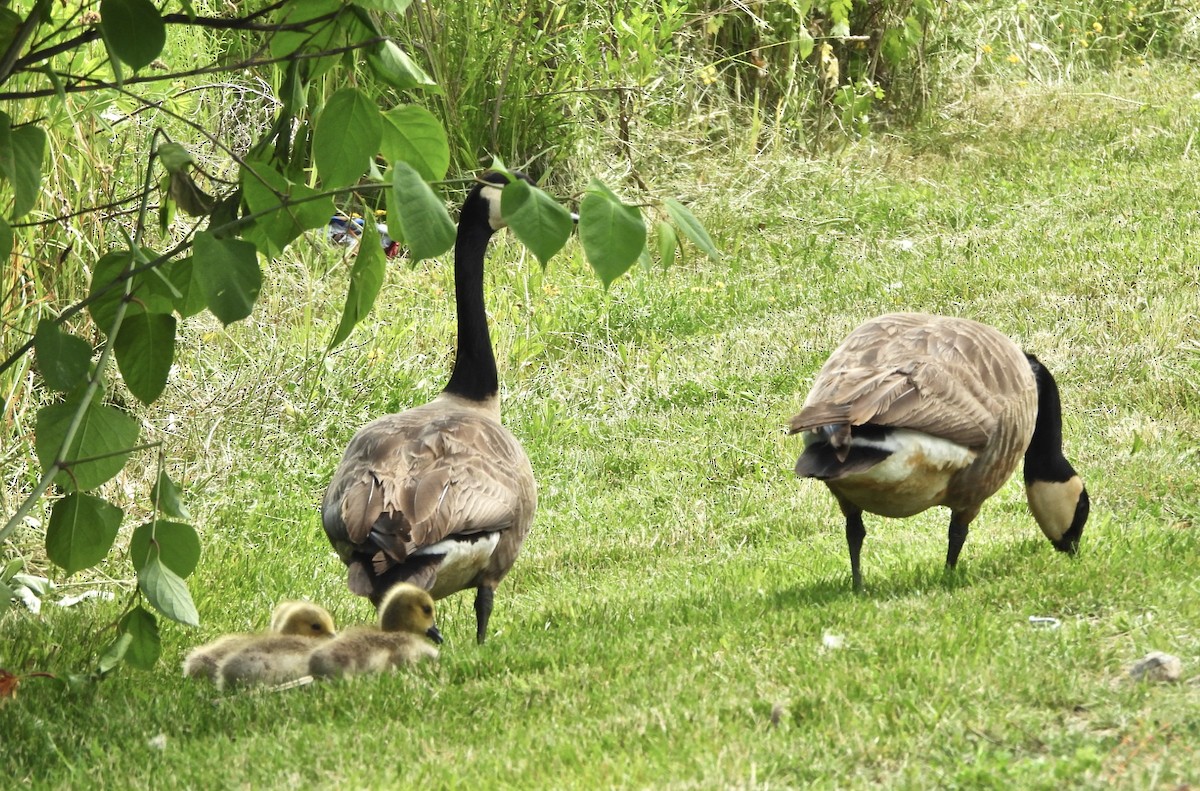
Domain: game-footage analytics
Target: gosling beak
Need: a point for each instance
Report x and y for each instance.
(433, 634)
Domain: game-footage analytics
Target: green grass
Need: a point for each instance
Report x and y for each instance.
(664, 626)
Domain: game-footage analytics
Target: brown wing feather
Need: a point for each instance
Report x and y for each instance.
(421, 476)
(946, 377)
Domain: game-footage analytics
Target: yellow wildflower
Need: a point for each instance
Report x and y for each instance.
(1014, 58)
(1096, 26)
(987, 49)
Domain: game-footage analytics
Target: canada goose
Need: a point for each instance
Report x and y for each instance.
(913, 411)
(405, 620)
(294, 618)
(441, 495)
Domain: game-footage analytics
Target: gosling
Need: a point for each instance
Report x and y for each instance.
(293, 618)
(405, 620)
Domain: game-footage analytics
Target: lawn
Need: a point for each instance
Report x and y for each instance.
(681, 615)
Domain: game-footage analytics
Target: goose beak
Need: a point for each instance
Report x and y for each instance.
(433, 634)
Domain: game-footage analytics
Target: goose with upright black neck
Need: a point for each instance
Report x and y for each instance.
(441, 495)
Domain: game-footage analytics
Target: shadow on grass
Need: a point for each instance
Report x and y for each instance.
(918, 576)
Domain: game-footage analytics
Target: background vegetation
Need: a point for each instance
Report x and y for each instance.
(681, 615)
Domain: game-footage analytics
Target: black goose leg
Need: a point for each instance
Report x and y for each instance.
(855, 533)
(483, 611)
(960, 524)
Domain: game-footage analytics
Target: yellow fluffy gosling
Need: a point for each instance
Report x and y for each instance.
(294, 618)
(405, 620)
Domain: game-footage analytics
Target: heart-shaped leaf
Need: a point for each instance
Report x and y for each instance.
(167, 592)
(285, 209)
(539, 221)
(366, 278)
(421, 214)
(229, 274)
(414, 135)
(81, 531)
(145, 646)
(145, 349)
(104, 437)
(64, 359)
(687, 223)
(133, 30)
(346, 137)
(166, 496)
(21, 153)
(393, 65)
(613, 234)
(174, 543)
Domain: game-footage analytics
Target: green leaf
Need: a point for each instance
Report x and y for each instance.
(104, 431)
(366, 278)
(414, 135)
(539, 221)
(174, 543)
(804, 42)
(182, 273)
(21, 153)
(229, 274)
(175, 158)
(167, 592)
(168, 498)
(134, 30)
(687, 223)
(394, 6)
(346, 137)
(893, 46)
(316, 37)
(151, 292)
(393, 65)
(421, 215)
(115, 654)
(107, 269)
(64, 359)
(145, 349)
(612, 233)
(279, 224)
(668, 243)
(6, 240)
(145, 646)
(82, 529)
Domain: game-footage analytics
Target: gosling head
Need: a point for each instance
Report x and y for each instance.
(407, 608)
(302, 618)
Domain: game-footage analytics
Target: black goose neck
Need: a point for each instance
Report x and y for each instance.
(474, 374)
(1044, 460)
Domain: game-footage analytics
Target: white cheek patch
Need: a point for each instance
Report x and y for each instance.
(491, 194)
(1053, 504)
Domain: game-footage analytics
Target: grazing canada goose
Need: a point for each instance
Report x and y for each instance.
(441, 495)
(293, 618)
(405, 620)
(913, 411)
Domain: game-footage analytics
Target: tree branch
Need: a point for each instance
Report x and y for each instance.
(212, 23)
(84, 84)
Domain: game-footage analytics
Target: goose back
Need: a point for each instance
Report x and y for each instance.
(444, 471)
(950, 378)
